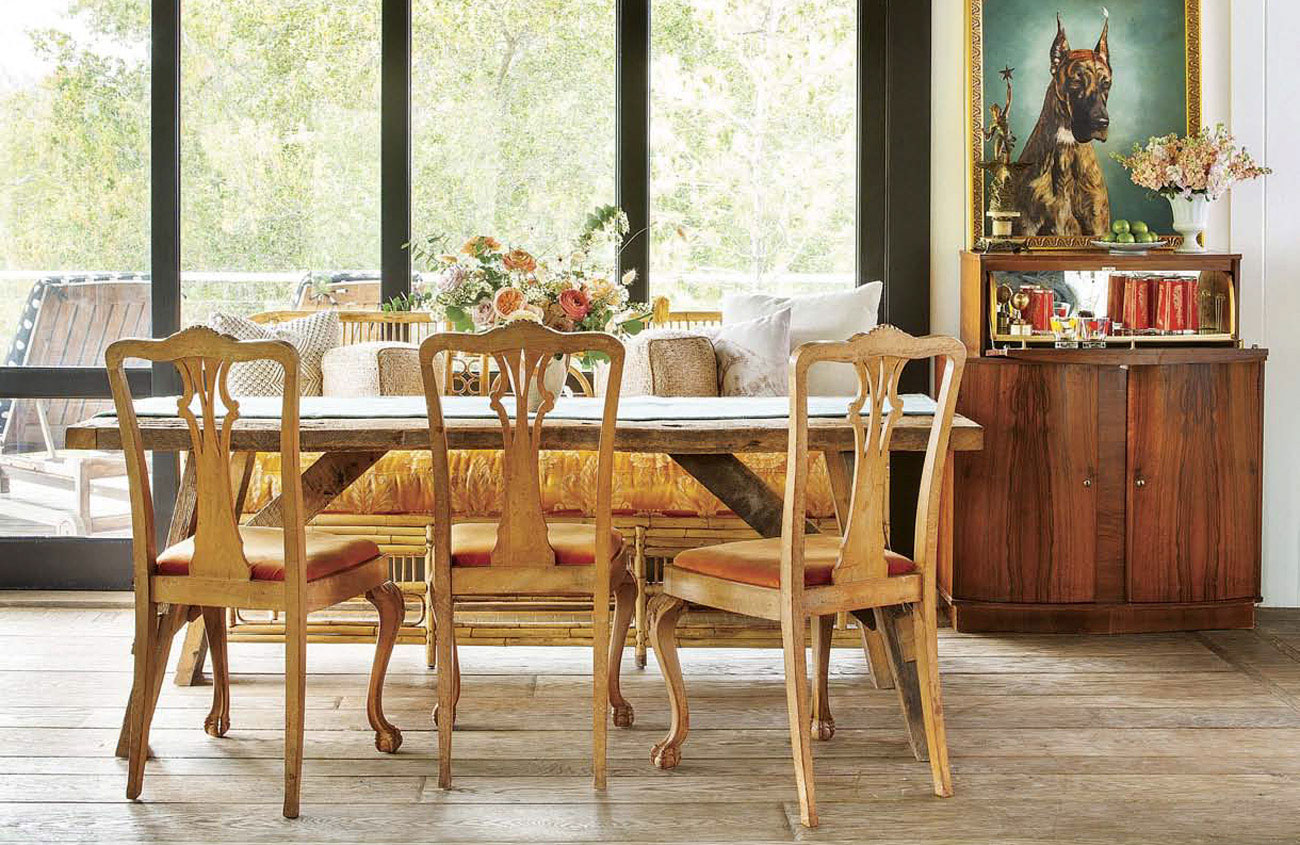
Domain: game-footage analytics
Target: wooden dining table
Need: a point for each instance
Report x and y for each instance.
(703, 435)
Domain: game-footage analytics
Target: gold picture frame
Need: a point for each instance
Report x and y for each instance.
(975, 114)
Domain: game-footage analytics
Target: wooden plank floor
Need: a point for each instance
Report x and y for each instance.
(1170, 738)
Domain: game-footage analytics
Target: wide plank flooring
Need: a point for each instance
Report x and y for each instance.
(1162, 738)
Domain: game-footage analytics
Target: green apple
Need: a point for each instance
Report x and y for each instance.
(1120, 227)
(1138, 227)
(1146, 238)
(1126, 238)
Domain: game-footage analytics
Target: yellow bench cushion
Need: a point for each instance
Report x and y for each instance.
(643, 484)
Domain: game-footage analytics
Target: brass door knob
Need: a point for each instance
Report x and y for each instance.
(1087, 482)
(1141, 482)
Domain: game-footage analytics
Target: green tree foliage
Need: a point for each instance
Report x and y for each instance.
(513, 102)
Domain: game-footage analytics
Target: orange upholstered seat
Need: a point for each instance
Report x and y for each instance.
(758, 562)
(327, 554)
(575, 544)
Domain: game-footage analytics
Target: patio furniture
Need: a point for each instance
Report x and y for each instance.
(211, 562)
(792, 577)
(68, 321)
(521, 555)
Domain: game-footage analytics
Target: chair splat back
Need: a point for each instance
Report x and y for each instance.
(523, 353)
(203, 359)
(879, 357)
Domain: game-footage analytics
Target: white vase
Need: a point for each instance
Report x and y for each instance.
(553, 378)
(1191, 214)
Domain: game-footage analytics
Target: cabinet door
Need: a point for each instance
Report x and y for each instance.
(1025, 508)
(1194, 454)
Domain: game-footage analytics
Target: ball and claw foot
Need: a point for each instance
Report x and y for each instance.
(623, 715)
(665, 756)
(823, 729)
(216, 726)
(388, 740)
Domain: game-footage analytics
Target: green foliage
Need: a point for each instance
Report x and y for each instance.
(513, 130)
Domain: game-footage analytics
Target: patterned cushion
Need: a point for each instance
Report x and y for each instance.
(312, 336)
(377, 368)
(753, 356)
(670, 362)
(758, 562)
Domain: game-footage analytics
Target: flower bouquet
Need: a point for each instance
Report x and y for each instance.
(1205, 164)
(486, 284)
(1191, 173)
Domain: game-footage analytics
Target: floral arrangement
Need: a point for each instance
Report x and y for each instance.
(1207, 163)
(485, 284)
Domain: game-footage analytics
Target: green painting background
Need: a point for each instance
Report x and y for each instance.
(1148, 60)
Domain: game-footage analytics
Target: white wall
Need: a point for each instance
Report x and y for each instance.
(1251, 81)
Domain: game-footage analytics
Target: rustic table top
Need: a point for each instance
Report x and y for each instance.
(682, 436)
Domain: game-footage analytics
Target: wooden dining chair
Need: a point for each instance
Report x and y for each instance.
(225, 565)
(521, 555)
(795, 577)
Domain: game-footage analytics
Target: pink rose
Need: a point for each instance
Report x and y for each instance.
(575, 303)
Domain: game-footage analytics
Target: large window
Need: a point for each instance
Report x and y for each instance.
(74, 242)
(280, 133)
(512, 118)
(752, 147)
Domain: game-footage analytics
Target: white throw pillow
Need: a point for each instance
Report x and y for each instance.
(823, 316)
(754, 356)
(312, 336)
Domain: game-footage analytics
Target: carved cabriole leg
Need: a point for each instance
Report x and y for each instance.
(638, 574)
(927, 666)
(665, 610)
(218, 721)
(625, 599)
(823, 724)
(390, 605)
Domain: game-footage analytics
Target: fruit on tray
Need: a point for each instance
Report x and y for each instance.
(1130, 232)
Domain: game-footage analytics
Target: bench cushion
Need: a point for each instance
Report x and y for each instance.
(574, 543)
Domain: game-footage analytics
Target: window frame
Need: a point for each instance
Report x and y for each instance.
(893, 186)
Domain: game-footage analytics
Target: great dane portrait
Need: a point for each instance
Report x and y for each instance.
(1064, 193)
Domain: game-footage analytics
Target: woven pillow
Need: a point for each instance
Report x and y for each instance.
(670, 362)
(377, 368)
(312, 336)
(754, 356)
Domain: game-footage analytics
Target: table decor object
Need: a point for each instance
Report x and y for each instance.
(1191, 173)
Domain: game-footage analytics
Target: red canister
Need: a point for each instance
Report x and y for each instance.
(1171, 313)
(1115, 297)
(1192, 293)
(1137, 304)
(1041, 301)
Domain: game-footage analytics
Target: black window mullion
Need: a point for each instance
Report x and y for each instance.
(632, 121)
(165, 214)
(872, 94)
(395, 157)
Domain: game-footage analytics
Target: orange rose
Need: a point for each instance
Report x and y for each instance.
(575, 302)
(520, 261)
(508, 301)
(482, 243)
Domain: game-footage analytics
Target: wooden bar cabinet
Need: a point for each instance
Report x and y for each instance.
(1119, 489)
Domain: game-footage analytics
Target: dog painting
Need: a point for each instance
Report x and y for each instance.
(1130, 83)
(1065, 192)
